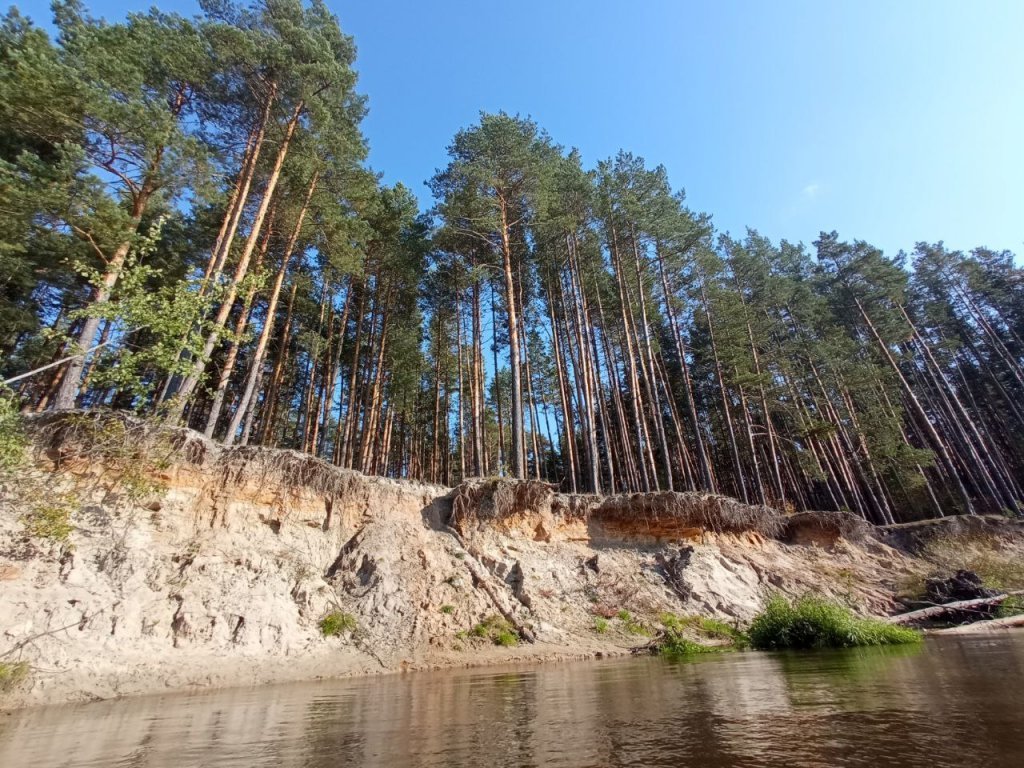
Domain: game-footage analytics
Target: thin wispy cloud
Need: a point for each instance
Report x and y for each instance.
(812, 190)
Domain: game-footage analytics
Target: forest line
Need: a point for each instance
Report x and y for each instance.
(186, 213)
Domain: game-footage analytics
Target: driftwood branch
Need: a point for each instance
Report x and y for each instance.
(940, 610)
(86, 618)
(54, 364)
(989, 625)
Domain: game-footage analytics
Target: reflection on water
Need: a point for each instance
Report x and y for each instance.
(951, 703)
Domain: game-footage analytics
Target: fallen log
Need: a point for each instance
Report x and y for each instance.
(940, 610)
(988, 625)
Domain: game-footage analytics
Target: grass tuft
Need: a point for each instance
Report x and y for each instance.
(813, 622)
(337, 623)
(11, 674)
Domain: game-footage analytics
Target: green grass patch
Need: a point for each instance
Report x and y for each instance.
(675, 645)
(1011, 606)
(706, 628)
(497, 630)
(600, 625)
(632, 624)
(337, 623)
(448, 609)
(813, 622)
(719, 629)
(636, 628)
(11, 674)
(688, 635)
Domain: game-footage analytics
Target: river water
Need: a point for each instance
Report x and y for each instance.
(950, 702)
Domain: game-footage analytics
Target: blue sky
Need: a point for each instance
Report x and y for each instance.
(890, 122)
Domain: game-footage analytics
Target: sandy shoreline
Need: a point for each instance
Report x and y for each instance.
(199, 672)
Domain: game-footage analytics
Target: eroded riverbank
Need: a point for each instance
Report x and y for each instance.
(211, 568)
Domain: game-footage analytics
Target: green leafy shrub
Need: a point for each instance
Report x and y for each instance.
(168, 310)
(448, 609)
(813, 622)
(337, 623)
(600, 625)
(11, 674)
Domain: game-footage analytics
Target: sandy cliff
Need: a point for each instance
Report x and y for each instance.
(208, 567)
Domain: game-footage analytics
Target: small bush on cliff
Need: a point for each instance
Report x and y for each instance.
(813, 622)
(506, 638)
(337, 623)
(12, 435)
(51, 519)
(11, 674)
(497, 630)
